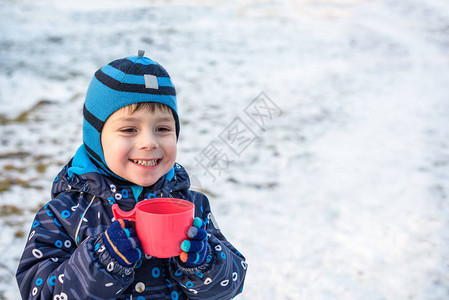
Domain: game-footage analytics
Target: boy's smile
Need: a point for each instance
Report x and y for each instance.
(140, 146)
(146, 163)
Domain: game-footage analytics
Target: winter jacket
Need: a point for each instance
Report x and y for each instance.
(60, 260)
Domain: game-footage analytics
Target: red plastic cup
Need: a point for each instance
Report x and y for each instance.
(161, 224)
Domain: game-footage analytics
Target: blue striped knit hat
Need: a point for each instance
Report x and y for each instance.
(118, 84)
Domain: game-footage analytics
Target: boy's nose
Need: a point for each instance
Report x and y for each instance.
(147, 142)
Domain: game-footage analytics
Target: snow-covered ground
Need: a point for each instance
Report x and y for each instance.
(344, 193)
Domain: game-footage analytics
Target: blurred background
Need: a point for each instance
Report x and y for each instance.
(327, 121)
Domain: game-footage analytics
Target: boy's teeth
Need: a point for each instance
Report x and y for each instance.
(146, 162)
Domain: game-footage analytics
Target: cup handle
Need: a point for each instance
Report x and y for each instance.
(120, 214)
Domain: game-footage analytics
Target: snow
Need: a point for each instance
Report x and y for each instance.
(342, 196)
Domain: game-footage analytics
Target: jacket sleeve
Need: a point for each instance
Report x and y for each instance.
(223, 273)
(54, 267)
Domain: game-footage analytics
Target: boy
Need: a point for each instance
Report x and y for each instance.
(76, 250)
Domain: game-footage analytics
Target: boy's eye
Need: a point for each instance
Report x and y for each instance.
(163, 129)
(128, 130)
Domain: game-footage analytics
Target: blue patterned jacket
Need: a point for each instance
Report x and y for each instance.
(59, 260)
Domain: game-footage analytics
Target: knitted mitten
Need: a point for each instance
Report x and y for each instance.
(195, 249)
(122, 243)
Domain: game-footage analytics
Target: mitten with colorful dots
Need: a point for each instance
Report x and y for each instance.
(195, 248)
(121, 241)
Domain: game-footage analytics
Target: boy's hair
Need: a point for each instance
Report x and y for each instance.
(137, 81)
(149, 106)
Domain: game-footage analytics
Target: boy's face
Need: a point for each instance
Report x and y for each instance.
(141, 146)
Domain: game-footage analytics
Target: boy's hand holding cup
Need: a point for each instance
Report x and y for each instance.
(166, 228)
(123, 244)
(121, 241)
(195, 249)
